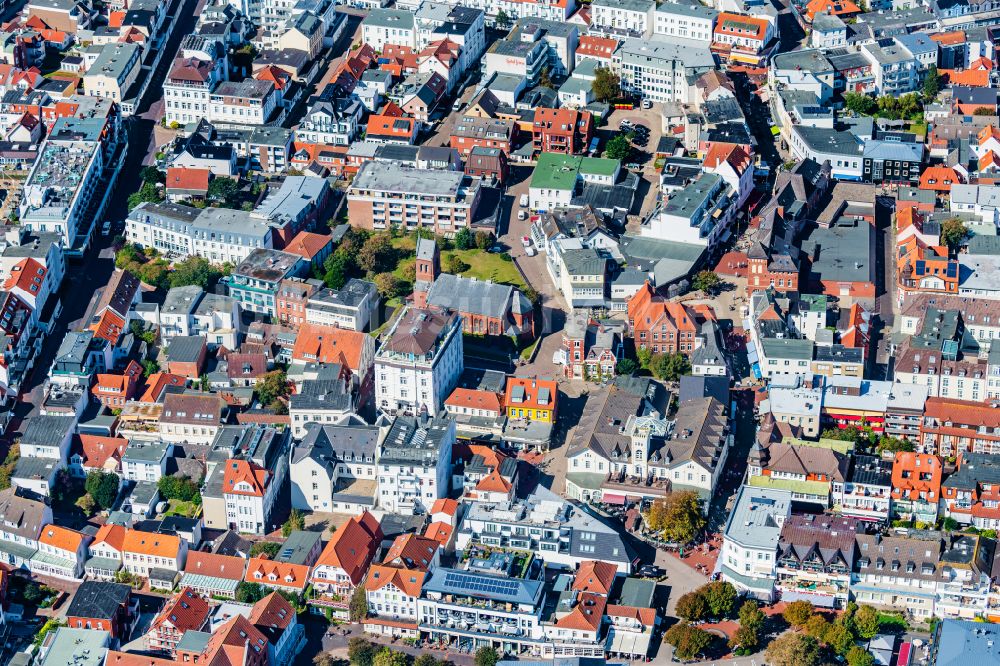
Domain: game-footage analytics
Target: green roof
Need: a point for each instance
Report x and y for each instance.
(817, 488)
(587, 480)
(599, 166)
(838, 445)
(554, 171)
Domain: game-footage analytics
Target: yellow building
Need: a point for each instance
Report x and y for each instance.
(531, 399)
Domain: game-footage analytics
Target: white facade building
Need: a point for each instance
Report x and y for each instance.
(414, 464)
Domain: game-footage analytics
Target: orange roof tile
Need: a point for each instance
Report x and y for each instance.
(61, 537)
(96, 450)
(215, 565)
(273, 611)
(392, 126)
(26, 275)
(475, 399)
(188, 178)
(157, 383)
(962, 412)
(276, 574)
(440, 532)
(939, 178)
(445, 505)
(307, 244)
(412, 551)
(916, 473)
(737, 25)
(949, 38)
(832, 7)
(116, 19)
(327, 344)
(595, 576)
(113, 535)
(185, 612)
(596, 47)
(148, 543)
(116, 658)
(407, 581)
(353, 546)
(532, 387)
(245, 477)
(977, 78)
(493, 483)
(647, 616)
(732, 153)
(586, 615)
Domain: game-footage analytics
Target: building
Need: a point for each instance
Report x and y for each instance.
(190, 418)
(742, 38)
(249, 102)
(750, 541)
(695, 22)
(188, 86)
(213, 574)
(659, 69)
(622, 18)
(565, 131)
(146, 554)
(114, 71)
(699, 214)
(968, 494)
(865, 493)
(916, 486)
(531, 400)
(557, 178)
(250, 492)
(957, 642)
(815, 559)
(354, 307)
(103, 606)
(953, 427)
(420, 361)
(186, 612)
(255, 282)
(384, 195)
(347, 556)
(414, 463)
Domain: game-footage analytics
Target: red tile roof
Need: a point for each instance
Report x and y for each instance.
(328, 344)
(188, 179)
(408, 581)
(215, 565)
(412, 551)
(595, 576)
(244, 477)
(185, 612)
(97, 450)
(307, 244)
(353, 546)
(26, 275)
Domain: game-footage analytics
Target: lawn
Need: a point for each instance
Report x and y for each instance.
(181, 508)
(486, 266)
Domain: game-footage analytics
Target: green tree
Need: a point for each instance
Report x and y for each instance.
(797, 613)
(484, 240)
(669, 367)
(953, 232)
(337, 269)
(9, 464)
(618, 148)
(688, 641)
(453, 264)
(389, 286)
(194, 271)
(180, 488)
(464, 239)
(269, 549)
(816, 626)
(150, 367)
(626, 366)
(502, 20)
(377, 254)
(86, 504)
(606, 85)
(102, 487)
(249, 593)
(860, 103)
(839, 638)
(751, 615)
(858, 656)
(387, 657)
(692, 606)
(148, 193)
(487, 656)
(932, 83)
(545, 79)
(358, 607)
(706, 281)
(644, 356)
(792, 649)
(721, 598)
(223, 191)
(150, 174)
(984, 111)
(271, 386)
(677, 516)
(361, 651)
(887, 443)
(866, 622)
(296, 521)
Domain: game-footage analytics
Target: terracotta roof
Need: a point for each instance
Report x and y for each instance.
(963, 412)
(408, 581)
(276, 574)
(391, 126)
(116, 19)
(353, 546)
(412, 551)
(440, 532)
(244, 472)
(307, 244)
(647, 616)
(192, 70)
(229, 643)
(475, 399)
(738, 25)
(444, 505)
(832, 7)
(155, 384)
(61, 537)
(96, 450)
(949, 38)
(532, 387)
(148, 543)
(272, 611)
(113, 535)
(916, 473)
(185, 612)
(586, 615)
(274, 74)
(116, 658)
(977, 78)
(216, 566)
(327, 344)
(245, 366)
(595, 576)
(734, 154)
(188, 178)
(493, 483)
(596, 47)
(26, 275)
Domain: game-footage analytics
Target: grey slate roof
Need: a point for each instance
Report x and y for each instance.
(21, 515)
(469, 295)
(47, 429)
(334, 443)
(98, 600)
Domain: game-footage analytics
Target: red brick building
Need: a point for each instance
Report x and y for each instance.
(562, 131)
(487, 163)
(951, 427)
(471, 131)
(113, 391)
(104, 607)
(660, 326)
(290, 301)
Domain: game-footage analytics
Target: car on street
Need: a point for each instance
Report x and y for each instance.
(526, 241)
(632, 166)
(530, 251)
(106, 228)
(625, 125)
(647, 104)
(522, 215)
(524, 201)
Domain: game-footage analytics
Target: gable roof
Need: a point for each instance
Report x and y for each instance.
(353, 546)
(412, 551)
(189, 179)
(245, 471)
(328, 344)
(61, 537)
(98, 600)
(112, 535)
(185, 612)
(148, 543)
(214, 565)
(595, 576)
(408, 581)
(261, 570)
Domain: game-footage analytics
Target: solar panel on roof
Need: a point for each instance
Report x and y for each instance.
(952, 270)
(921, 265)
(481, 584)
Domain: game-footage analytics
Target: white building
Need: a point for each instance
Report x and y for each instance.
(414, 463)
(21, 522)
(320, 401)
(146, 461)
(420, 361)
(749, 552)
(622, 18)
(190, 311)
(249, 102)
(659, 69)
(389, 26)
(114, 71)
(982, 201)
(187, 89)
(250, 492)
(700, 214)
(354, 306)
(329, 458)
(333, 123)
(688, 21)
(144, 551)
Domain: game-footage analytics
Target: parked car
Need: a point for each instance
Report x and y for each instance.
(522, 215)
(524, 201)
(106, 228)
(632, 166)
(526, 241)
(530, 251)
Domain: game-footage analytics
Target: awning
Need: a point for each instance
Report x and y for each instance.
(628, 642)
(904, 654)
(824, 600)
(755, 368)
(609, 498)
(752, 353)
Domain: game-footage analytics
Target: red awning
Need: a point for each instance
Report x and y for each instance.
(608, 498)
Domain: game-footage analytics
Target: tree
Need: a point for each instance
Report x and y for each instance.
(337, 269)
(296, 521)
(858, 656)
(86, 504)
(798, 613)
(249, 593)
(860, 103)
(745, 638)
(269, 549)
(984, 111)
(953, 232)
(751, 615)
(932, 83)
(626, 366)
(949, 524)
(720, 597)
(194, 271)
(102, 487)
(454, 265)
(181, 488)
(606, 84)
(792, 649)
(816, 627)
(149, 367)
(502, 20)
(388, 285)
(866, 622)
(706, 281)
(545, 79)
(361, 651)
(223, 191)
(688, 641)
(644, 356)
(377, 254)
(425, 660)
(677, 516)
(271, 386)
(150, 174)
(484, 240)
(148, 193)
(139, 330)
(893, 444)
(387, 657)
(464, 239)
(155, 273)
(839, 638)
(487, 656)
(618, 148)
(692, 606)
(669, 367)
